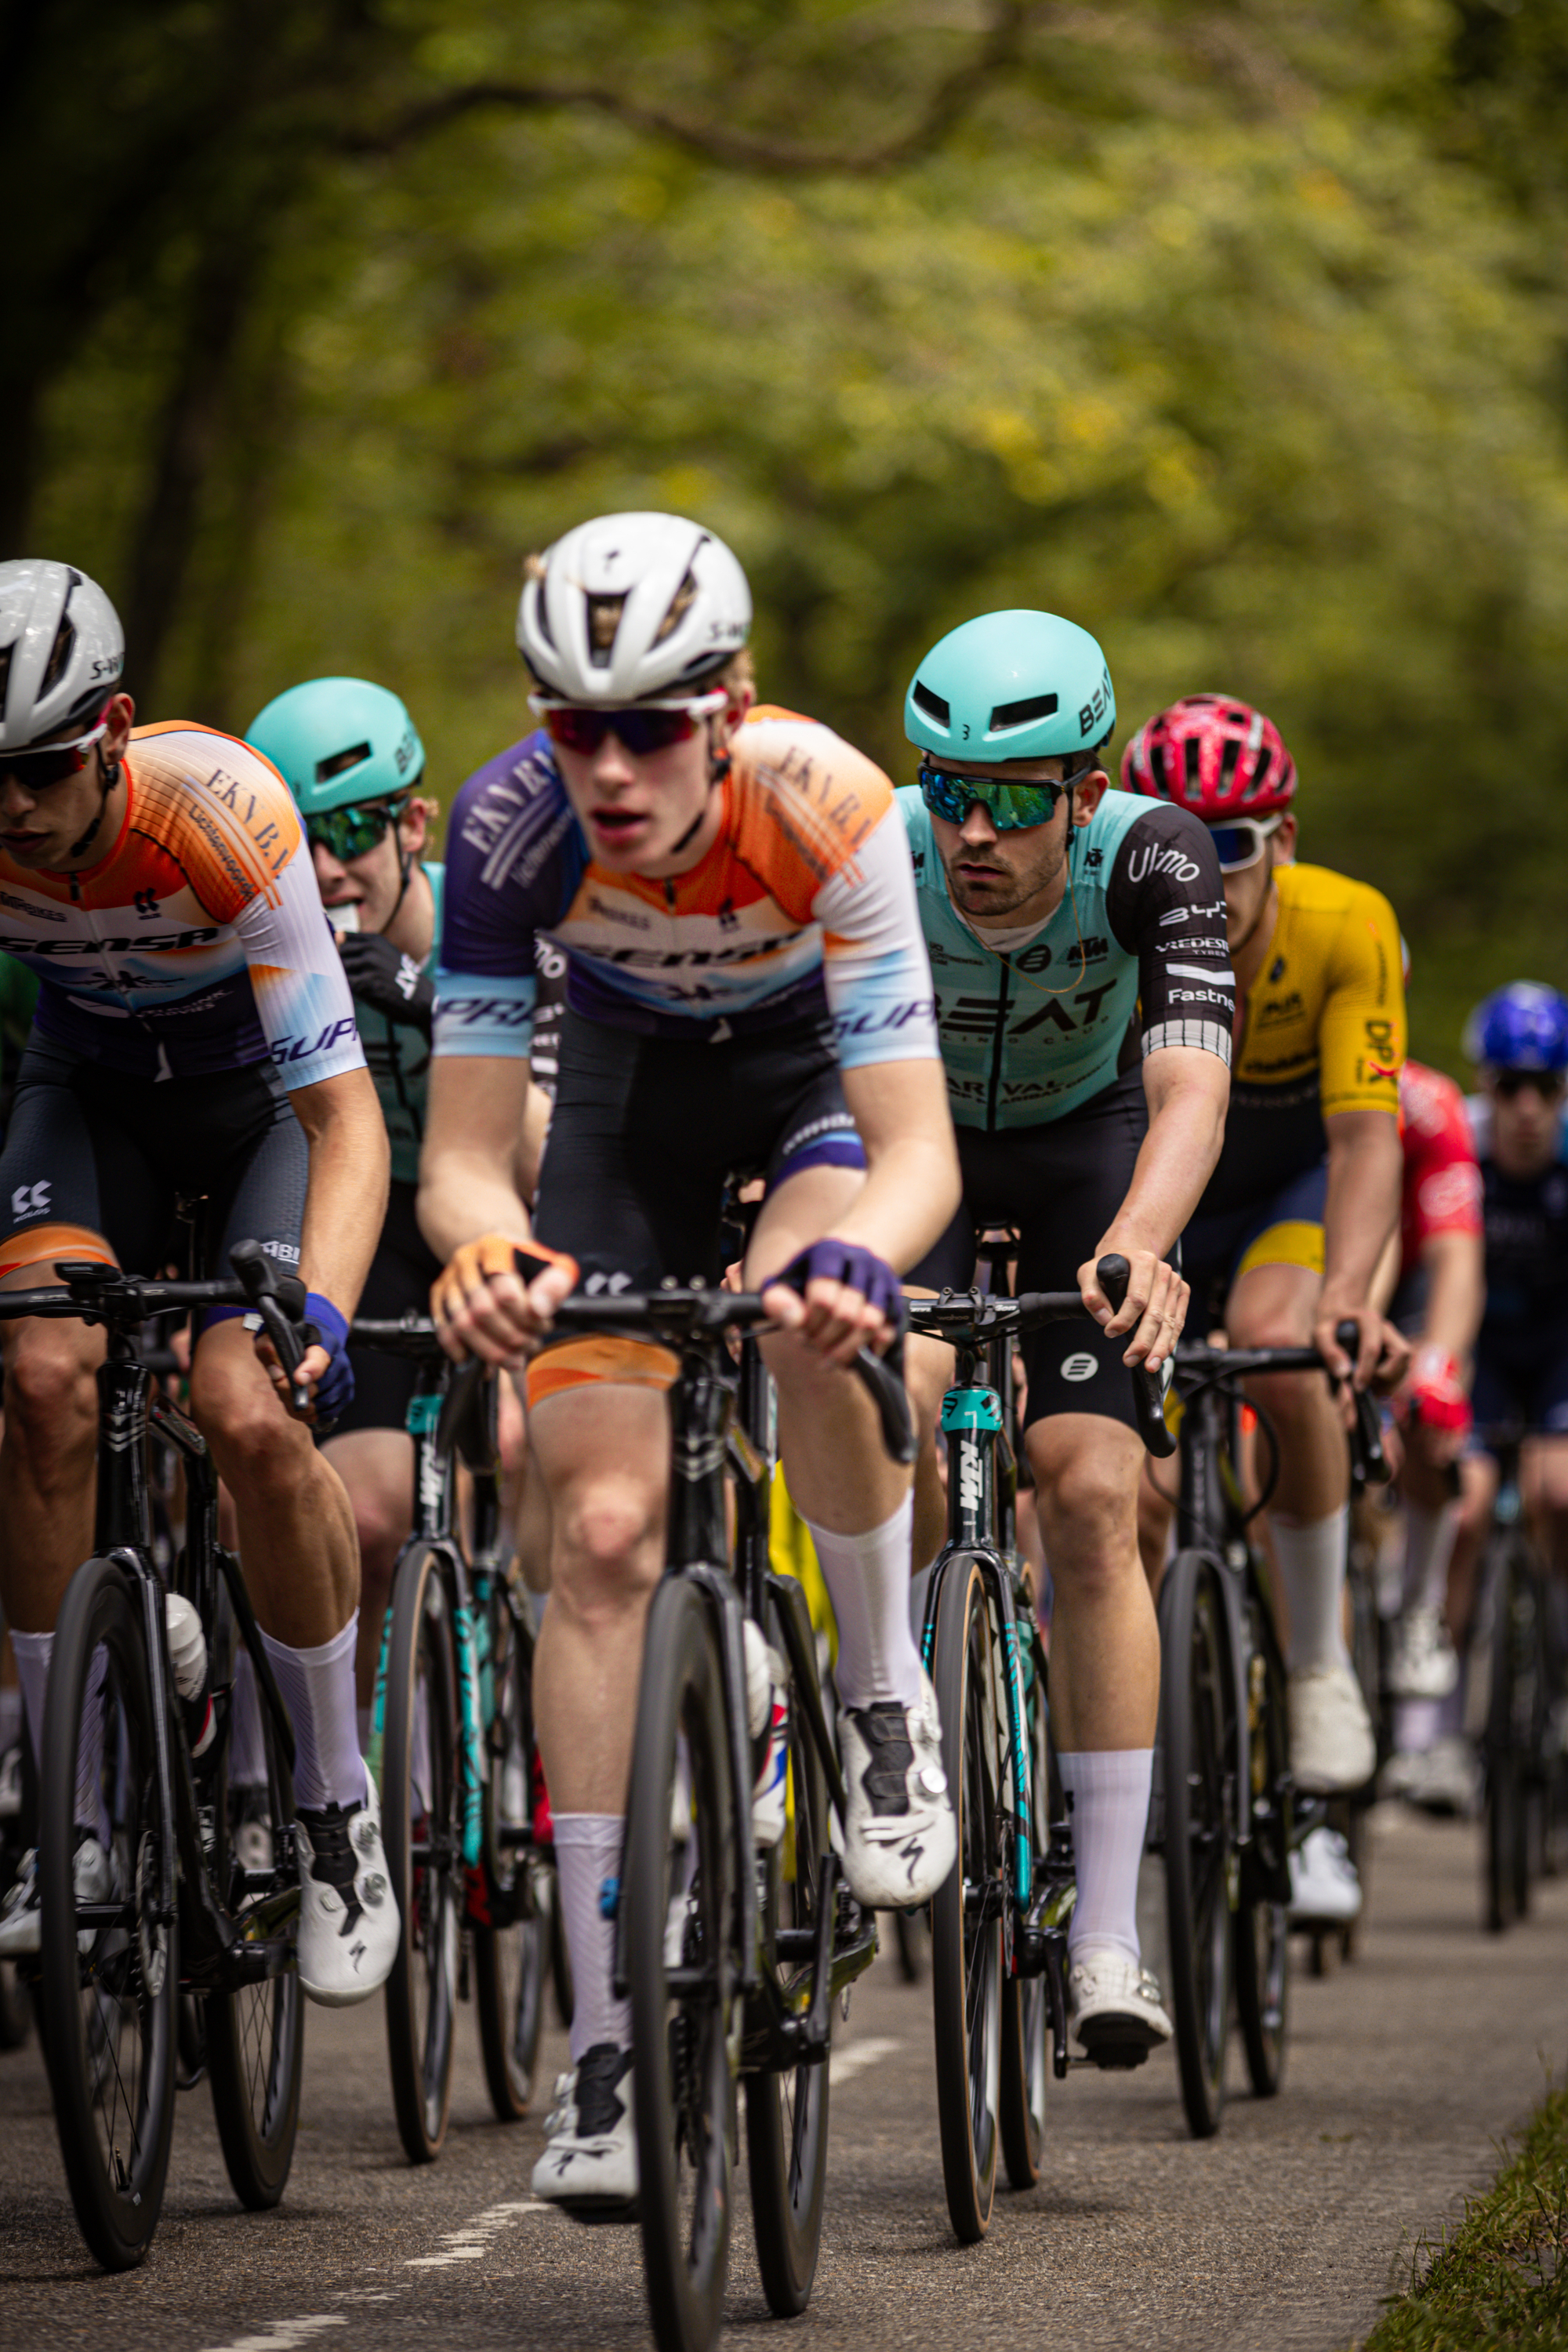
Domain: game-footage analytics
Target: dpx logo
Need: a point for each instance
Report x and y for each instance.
(971, 1486)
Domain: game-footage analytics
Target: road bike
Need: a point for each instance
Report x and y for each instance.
(732, 1957)
(998, 1926)
(1226, 1815)
(177, 1918)
(451, 1750)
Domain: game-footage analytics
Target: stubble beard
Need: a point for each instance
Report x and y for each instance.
(1006, 896)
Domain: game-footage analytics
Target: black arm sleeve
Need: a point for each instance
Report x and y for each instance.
(1166, 903)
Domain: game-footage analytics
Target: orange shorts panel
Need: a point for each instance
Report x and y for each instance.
(577, 1363)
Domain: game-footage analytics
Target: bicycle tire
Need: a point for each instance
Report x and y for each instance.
(511, 1945)
(422, 1831)
(1197, 1732)
(116, 2000)
(786, 2109)
(966, 1910)
(1506, 1861)
(1262, 1919)
(1026, 2010)
(256, 2033)
(685, 1889)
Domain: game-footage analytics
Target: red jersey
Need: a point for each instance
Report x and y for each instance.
(1442, 1182)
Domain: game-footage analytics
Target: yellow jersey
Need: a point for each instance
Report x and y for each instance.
(1322, 1030)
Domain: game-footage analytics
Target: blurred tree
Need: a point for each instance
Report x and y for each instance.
(1228, 329)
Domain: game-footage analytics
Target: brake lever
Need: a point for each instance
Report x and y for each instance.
(1114, 1274)
(1368, 1460)
(264, 1286)
(883, 1378)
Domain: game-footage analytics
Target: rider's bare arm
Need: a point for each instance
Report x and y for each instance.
(911, 1191)
(470, 1209)
(350, 1165)
(1366, 1170)
(1187, 1090)
(1454, 1267)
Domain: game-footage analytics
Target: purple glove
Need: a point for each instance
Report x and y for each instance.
(325, 1327)
(858, 1269)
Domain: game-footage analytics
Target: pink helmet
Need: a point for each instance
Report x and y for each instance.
(1214, 756)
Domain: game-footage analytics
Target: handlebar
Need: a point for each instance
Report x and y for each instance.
(1368, 1461)
(972, 1317)
(278, 1300)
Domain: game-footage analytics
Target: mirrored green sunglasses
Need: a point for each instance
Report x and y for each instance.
(1010, 807)
(354, 830)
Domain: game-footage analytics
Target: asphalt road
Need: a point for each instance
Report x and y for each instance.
(1283, 2233)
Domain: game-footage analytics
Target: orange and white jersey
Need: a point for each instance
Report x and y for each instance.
(197, 942)
(805, 903)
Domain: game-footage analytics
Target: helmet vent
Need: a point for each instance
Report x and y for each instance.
(1228, 761)
(340, 761)
(932, 704)
(1260, 772)
(603, 620)
(59, 654)
(1192, 759)
(679, 605)
(1018, 714)
(5, 654)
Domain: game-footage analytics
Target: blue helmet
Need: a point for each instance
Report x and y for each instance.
(1524, 1027)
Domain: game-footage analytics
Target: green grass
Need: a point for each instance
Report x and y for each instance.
(1501, 2277)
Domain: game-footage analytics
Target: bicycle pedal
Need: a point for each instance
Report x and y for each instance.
(1114, 2057)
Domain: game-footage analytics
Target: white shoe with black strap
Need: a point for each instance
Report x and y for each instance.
(590, 2160)
(901, 1839)
(348, 1913)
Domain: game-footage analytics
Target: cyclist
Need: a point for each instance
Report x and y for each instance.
(747, 992)
(193, 1034)
(1519, 1038)
(1085, 1000)
(351, 757)
(1438, 1304)
(1294, 1220)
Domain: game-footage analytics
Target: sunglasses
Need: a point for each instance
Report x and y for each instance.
(642, 727)
(51, 763)
(1012, 808)
(1241, 843)
(1547, 1084)
(355, 829)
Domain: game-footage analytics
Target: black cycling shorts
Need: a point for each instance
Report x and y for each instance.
(398, 1283)
(647, 1132)
(110, 1153)
(1058, 1186)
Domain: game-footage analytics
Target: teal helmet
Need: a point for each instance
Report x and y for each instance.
(336, 740)
(1012, 686)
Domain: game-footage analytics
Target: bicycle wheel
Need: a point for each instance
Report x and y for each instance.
(109, 1971)
(16, 2009)
(1262, 1919)
(966, 1910)
(1507, 1880)
(1197, 1730)
(786, 2110)
(512, 1946)
(422, 1829)
(256, 2032)
(682, 1968)
(1025, 2012)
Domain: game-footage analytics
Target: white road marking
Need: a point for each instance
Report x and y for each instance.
(279, 2335)
(473, 2240)
(846, 2064)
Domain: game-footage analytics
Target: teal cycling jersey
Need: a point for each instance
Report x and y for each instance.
(1133, 959)
(398, 1054)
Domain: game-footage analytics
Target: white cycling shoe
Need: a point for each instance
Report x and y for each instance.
(901, 1839)
(1424, 1664)
(1115, 2009)
(1331, 1744)
(20, 1931)
(1446, 1779)
(1324, 1888)
(590, 2160)
(348, 1915)
(767, 1711)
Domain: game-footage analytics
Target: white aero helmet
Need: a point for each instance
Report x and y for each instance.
(61, 651)
(631, 606)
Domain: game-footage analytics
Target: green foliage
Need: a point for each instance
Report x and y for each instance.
(1501, 2278)
(1234, 332)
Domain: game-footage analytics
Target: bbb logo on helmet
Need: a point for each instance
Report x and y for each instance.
(1080, 1366)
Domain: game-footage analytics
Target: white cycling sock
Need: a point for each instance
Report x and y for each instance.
(33, 1673)
(318, 1688)
(588, 1849)
(10, 1716)
(1312, 1571)
(867, 1581)
(1430, 1538)
(1108, 1798)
